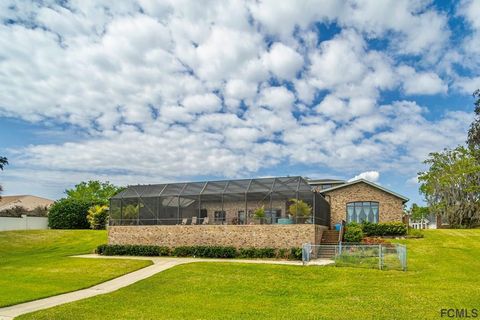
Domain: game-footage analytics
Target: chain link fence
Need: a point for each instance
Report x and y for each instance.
(377, 256)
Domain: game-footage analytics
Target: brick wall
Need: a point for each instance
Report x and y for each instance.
(390, 207)
(258, 236)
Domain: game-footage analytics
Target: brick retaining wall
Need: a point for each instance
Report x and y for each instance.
(258, 236)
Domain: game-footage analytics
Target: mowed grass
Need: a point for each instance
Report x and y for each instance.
(36, 264)
(444, 272)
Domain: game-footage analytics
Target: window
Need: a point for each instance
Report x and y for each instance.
(366, 211)
(219, 216)
(271, 216)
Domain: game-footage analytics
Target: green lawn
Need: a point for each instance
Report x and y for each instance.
(444, 272)
(36, 264)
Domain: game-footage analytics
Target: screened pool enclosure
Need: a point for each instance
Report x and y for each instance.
(280, 200)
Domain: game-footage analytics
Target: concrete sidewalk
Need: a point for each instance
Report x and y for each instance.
(159, 264)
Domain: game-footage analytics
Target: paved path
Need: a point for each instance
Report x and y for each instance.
(159, 265)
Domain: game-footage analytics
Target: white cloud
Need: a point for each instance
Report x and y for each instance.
(414, 82)
(202, 103)
(283, 61)
(467, 84)
(372, 176)
(181, 89)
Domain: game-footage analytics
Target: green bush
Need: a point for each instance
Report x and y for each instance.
(415, 233)
(199, 251)
(132, 250)
(250, 253)
(98, 217)
(353, 234)
(69, 214)
(384, 229)
(205, 252)
(296, 253)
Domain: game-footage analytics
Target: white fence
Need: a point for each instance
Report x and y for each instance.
(23, 223)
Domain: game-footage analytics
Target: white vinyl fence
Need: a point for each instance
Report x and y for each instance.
(23, 223)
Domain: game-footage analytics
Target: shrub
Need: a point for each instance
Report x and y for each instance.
(97, 217)
(384, 229)
(250, 253)
(69, 214)
(415, 233)
(296, 253)
(199, 251)
(132, 250)
(353, 234)
(299, 208)
(205, 252)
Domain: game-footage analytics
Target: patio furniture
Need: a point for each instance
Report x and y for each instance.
(205, 220)
(194, 220)
(184, 221)
(284, 221)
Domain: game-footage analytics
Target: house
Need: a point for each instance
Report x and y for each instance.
(428, 222)
(23, 212)
(362, 200)
(28, 202)
(277, 212)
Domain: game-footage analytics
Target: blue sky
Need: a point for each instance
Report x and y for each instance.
(148, 92)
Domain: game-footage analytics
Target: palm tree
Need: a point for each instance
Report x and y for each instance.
(299, 208)
(3, 163)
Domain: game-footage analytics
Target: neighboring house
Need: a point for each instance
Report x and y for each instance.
(14, 212)
(429, 222)
(26, 201)
(227, 212)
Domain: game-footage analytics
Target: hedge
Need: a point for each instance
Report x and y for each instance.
(384, 229)
(199, 251)
(131, 250)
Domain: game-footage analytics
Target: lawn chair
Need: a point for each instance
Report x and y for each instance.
(205, 220)
(194, 220)
(184, 221)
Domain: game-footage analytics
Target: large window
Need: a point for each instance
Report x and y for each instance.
(366, 211)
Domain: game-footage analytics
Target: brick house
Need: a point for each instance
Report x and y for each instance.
(278, 212)
(360, 200)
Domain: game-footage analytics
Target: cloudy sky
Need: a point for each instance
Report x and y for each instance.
(155, 91)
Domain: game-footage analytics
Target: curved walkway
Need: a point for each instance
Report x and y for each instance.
(159, 265)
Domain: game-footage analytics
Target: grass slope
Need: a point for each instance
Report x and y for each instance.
(443, 273)
(36, 264)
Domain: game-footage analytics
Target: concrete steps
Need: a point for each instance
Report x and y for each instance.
(330, 237)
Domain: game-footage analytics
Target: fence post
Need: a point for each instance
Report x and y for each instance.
(380, 262)
(306, 248)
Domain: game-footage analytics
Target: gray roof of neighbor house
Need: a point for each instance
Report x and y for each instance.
(238, 186)
(405, 199)
(324, 181)
(27, 201)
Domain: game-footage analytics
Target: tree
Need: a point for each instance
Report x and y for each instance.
(3, 163)
(299, 208)
(418, 213)
(473, 140)
(69, 214)
(98, 217)
(95, 192)
(451, 186)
